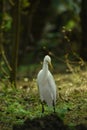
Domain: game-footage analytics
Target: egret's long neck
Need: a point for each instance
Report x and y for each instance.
(45, 67)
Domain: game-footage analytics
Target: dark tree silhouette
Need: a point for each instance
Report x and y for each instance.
(16, 37)
(83, 52)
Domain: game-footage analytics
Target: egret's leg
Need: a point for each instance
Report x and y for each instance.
(53, 106)
(42, 107)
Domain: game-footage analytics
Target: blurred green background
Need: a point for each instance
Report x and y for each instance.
(30, 29)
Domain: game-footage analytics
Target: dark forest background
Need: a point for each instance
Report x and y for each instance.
(29, 29)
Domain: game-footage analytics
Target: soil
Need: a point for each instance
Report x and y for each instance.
(48, 122)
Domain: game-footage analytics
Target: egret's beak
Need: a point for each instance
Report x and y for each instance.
(50, 65)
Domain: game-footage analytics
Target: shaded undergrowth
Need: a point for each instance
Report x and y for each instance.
(17, 105)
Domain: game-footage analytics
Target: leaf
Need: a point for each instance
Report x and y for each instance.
(25, 3)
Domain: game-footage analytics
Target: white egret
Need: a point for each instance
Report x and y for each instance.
(46, 84)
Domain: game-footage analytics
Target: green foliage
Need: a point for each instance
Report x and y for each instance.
(62, 110)
(18, 104)
(70, 24)
(7, 24)
(64, 5)
(71, 126)
(25, 3)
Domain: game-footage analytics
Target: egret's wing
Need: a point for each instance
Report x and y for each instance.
(52, 85)
(41, 85)
(47, 87)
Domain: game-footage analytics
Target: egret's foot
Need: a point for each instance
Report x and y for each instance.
(54, 106)
(42, 107)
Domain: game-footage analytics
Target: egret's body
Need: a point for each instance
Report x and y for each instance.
(46, 84)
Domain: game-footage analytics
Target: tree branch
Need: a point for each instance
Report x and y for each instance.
(5, 58)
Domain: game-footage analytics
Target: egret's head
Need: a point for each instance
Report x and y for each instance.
(47, 60)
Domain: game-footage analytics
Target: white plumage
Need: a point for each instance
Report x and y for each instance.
(46, 84)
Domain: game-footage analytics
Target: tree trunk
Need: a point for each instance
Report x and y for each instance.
(1, 20)
(40, 15)
(83, 52)
(16, 35)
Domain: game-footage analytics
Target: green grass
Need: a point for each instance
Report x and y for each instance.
(16, 105)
